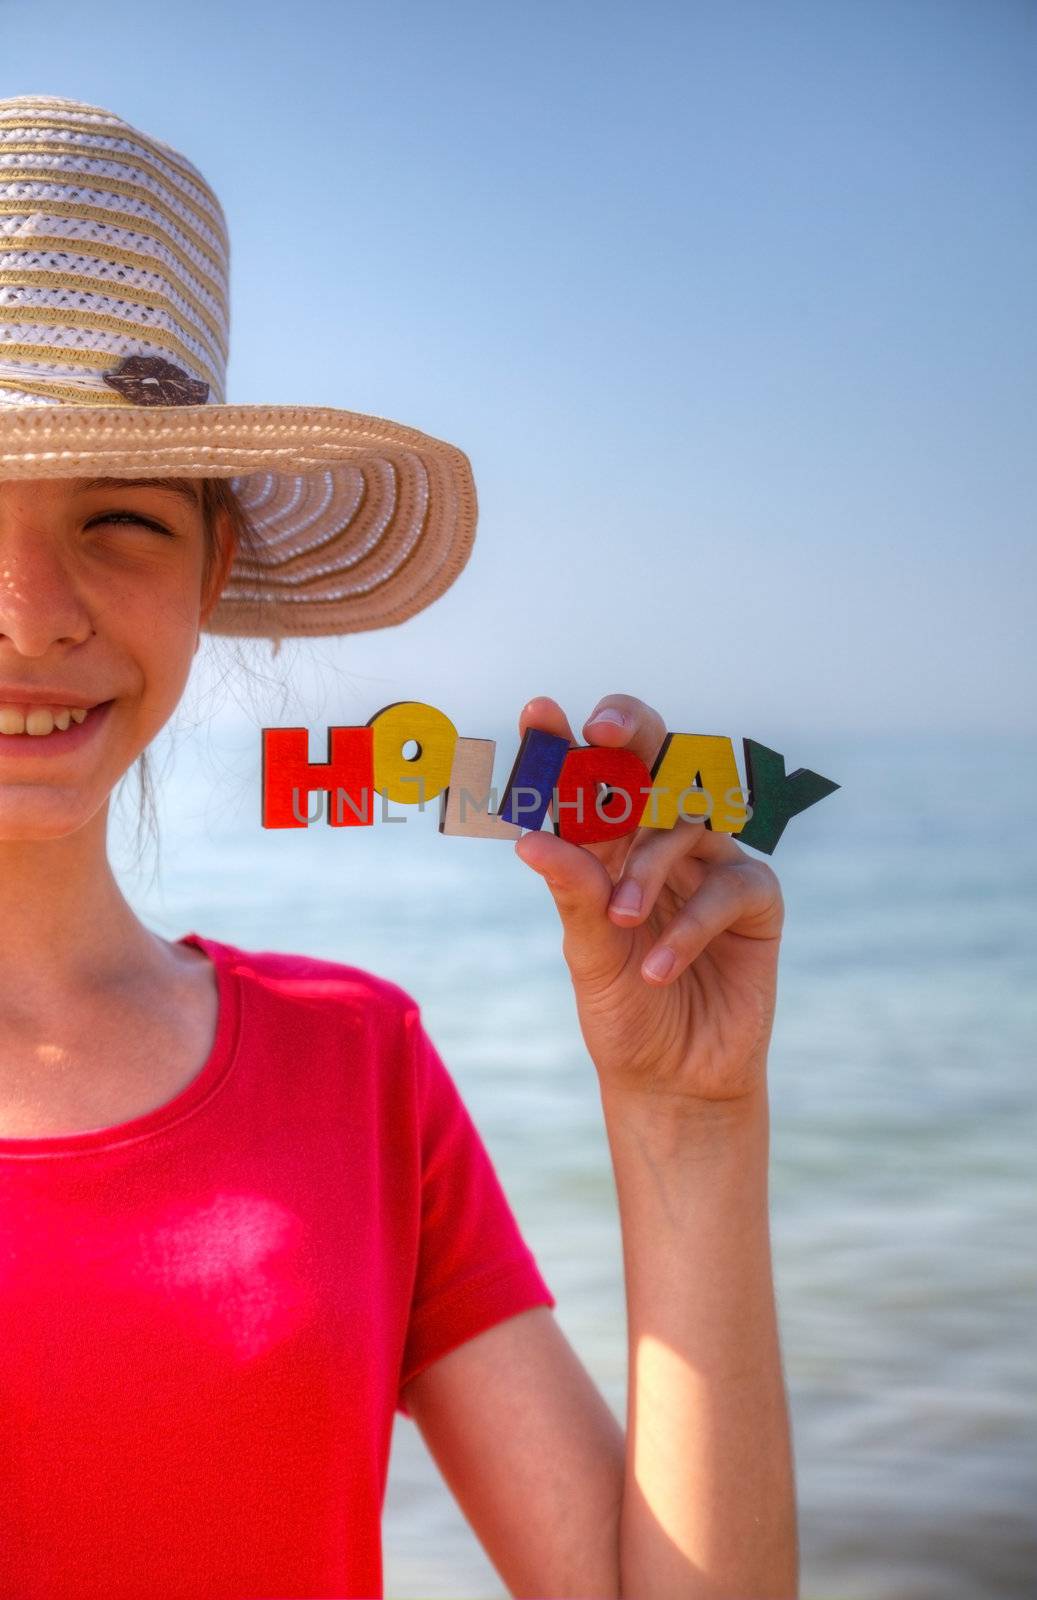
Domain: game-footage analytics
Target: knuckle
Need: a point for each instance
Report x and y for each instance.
(763, 879)
(688, 930)
(760, 890)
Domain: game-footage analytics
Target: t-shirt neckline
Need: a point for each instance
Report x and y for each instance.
(189, 1099)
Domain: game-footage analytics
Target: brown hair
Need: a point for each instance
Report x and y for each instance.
(218, 497)
(223, 518)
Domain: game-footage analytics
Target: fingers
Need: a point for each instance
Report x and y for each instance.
(725, 890)
(640, 728)
(545, 713)
(652, 858)
(580, 886)
(733, 899)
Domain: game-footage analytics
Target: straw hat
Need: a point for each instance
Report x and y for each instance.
(114, 323)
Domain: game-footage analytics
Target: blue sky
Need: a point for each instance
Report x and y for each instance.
(732, 307)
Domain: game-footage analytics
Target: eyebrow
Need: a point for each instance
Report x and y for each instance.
(181, 486)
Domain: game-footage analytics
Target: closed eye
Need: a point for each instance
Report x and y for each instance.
(130, 517)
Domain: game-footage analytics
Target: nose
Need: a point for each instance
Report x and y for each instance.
(40, 604)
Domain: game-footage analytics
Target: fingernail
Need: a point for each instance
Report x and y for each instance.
(610, 714)
(627, 897)
(658, 964)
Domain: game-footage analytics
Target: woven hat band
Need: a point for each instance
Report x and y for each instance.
(112, 245)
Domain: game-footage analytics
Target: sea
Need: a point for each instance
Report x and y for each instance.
(902, 1079)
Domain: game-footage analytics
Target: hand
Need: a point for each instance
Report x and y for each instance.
(699, 1033)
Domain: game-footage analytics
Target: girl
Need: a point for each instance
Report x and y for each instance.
(244, 1213)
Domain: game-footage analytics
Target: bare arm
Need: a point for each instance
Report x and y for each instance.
(696, 1501)
(532, 1454)
(708, 1506)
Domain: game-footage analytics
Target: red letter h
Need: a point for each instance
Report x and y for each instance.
(289, 775)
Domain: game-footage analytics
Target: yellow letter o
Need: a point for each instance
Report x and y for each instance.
(397, 776)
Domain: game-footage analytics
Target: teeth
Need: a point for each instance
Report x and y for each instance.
(40, 720)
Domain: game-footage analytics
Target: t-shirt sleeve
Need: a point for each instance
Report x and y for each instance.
(474, 1267)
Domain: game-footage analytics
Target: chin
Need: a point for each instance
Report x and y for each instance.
(36, 817)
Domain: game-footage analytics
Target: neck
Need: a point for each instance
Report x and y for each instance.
(66, 925)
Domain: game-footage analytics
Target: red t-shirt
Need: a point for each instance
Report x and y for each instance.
(207, 1313)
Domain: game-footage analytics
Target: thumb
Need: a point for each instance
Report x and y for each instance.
(581, 889)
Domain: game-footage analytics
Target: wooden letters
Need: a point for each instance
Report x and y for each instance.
(592, 792)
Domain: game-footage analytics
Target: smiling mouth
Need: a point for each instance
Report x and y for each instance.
(42, 721)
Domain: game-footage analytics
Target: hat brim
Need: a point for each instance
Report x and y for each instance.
(360, 522)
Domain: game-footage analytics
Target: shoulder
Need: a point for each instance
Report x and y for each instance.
(294, 980)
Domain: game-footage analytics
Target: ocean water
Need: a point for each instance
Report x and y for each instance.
(901, 1074)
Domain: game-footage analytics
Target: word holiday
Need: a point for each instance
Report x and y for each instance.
(592, 793)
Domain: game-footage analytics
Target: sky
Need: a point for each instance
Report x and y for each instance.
(732, 308)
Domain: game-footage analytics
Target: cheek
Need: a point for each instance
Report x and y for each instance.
(154, 618)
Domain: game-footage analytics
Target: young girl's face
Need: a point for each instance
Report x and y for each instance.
(101, 603)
